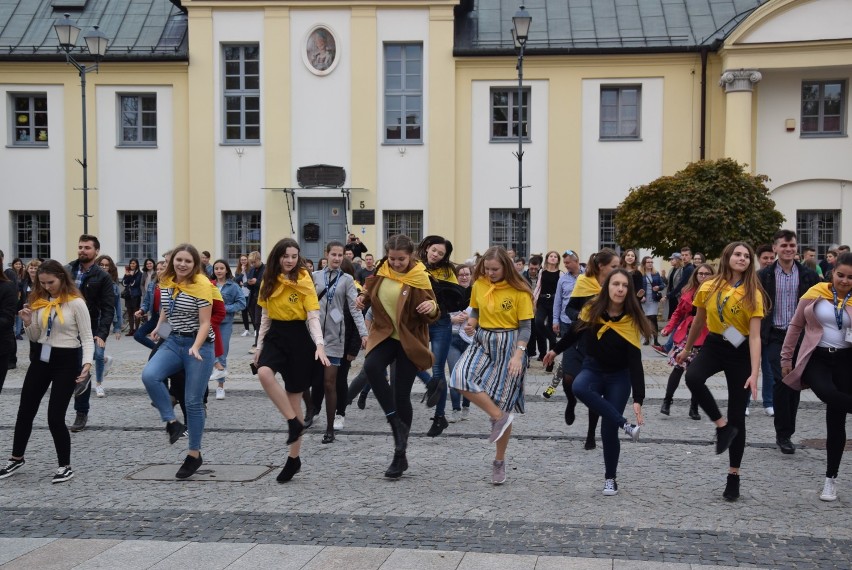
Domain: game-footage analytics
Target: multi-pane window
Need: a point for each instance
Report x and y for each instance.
(137, 236)
(403, 92)
(620, 108)
(822, 107)
(509, 227)
(137, 120)
(242, 93)
(241, 234)
(408, 222)
(818, 229)
(29, 120)
(31, 235)
(504, 114)
(606, 229)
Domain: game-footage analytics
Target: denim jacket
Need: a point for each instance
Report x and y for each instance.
(233, 296)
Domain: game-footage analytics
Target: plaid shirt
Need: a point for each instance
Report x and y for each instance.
(786, 296)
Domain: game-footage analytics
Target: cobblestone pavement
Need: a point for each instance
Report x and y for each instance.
(669, 508)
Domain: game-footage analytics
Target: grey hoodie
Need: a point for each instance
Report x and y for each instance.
(344, 293)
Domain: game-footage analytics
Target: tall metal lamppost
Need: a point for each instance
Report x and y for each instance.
(520, 32)
(67, 32)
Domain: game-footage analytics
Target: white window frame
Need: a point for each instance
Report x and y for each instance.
(244, 94)
(405, 93)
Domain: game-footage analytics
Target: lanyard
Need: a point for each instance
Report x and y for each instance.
(720, 304)
(50, 322)
(838, 311)
(172, 299)
(333, 287)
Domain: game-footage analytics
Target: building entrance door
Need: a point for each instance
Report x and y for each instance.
(321, 220)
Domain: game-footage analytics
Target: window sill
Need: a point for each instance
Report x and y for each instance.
(823, 135)
(139, 146)
(620, 139)
(403, 143)
(27, 145)
(237, 143)
(509, 140)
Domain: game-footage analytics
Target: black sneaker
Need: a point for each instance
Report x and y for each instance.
(12, 465)
(79, 422)
(724, 436)
(62, 474)
(439, 424)
(176, 430)
(189, 467)
(293, 466)
(362, 401)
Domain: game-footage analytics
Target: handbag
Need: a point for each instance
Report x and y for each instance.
(126, 293)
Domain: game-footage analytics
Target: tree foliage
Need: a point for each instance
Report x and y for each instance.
(707, 205)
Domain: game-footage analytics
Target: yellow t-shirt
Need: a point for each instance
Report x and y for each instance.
(507, 307)
(289, 304)
(733, 311)
(389, 291)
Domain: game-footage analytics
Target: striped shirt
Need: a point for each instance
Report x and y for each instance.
(786, 296)
(182, 312)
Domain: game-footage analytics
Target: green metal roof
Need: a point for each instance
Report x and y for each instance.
(143, 30)
(484, 27)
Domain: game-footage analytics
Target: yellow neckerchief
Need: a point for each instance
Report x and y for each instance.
(51, 306)
(492, 289)
(824, 291)
(217, 295)
(304, 285)
(359, 287)
(199, 287)
(443, 274)
(416, 277)
(586, 287)
(624, 327)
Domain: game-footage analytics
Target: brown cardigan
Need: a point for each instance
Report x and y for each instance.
(413, 328)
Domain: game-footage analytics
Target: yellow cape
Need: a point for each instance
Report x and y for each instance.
(492, 289)
(586, 287)
(416, 277)
(51, 306)
(824, 291)
(199, 287)
(624, 327)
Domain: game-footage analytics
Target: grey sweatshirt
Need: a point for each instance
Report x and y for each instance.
(332, 309)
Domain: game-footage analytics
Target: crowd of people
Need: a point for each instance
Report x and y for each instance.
(467, 330)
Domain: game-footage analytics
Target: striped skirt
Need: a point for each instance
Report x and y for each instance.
(484, 367)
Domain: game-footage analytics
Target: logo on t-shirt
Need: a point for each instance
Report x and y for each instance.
(293, 298)
(507, 304)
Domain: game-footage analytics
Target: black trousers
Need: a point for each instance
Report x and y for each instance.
(718, 355)
(543, 327)
(393, 397)
(785, 400)
(829, 374)
(60, 374)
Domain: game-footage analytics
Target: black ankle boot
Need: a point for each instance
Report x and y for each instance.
(397, 466)
(666, 408)
(293, 466)
(732, 488)
(296, 428)
(693, 411)
(400, 433)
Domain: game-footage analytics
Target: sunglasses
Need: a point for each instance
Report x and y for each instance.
(569, 252)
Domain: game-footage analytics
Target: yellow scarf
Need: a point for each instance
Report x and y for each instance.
(443, 274)
(586, 287)
(823, 291)
(416, 277)
(217, 295)
(303, 285)
(199, 287)
(492, 290)
(51, 306)
(624, 327)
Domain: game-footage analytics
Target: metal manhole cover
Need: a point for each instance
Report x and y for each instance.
(211, 472)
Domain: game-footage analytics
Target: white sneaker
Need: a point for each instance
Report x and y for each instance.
(455, 416)
(107, 364)
(610, 488)
(747, 412)
(770, 411)
(465, 413)
(99, 390)
(220, 393)
(218, 374)
(632, 431)
(246, 333)
(338, 422)
(829, 491)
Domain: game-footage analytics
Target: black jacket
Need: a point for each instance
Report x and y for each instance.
(675, 291)
(100, 298)
(807, 279)
(8, 310)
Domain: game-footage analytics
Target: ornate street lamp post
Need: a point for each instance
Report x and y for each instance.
(521, 27)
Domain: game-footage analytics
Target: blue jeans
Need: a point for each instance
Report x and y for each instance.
(141, 334)
(768, 379)
(172, 357)
(225, 329)
(457, 347)
(606, 394)
(81, 404)
(440, 334)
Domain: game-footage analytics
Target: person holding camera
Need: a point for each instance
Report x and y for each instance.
(354, 245)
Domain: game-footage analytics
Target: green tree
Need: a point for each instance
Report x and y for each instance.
(707, 205)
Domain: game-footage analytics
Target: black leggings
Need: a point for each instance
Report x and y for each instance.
(544, 325)
(61, 372)
(396, 398)
(828, 375)
(719, 355)
(132, 305)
